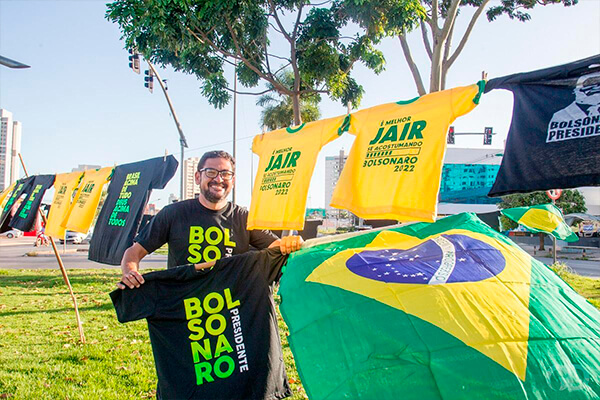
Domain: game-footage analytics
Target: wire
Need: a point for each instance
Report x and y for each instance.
(220, 143)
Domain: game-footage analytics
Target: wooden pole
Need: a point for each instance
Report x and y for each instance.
(62, 267)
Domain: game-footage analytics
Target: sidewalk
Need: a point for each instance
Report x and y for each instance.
(563, 253)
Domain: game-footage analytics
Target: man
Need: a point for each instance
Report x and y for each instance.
(580, 118)
(201, 230)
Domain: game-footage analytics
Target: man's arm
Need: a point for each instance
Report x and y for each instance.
(288, 244)
(130, 265)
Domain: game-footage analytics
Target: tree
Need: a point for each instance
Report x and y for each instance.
(278, 111)
(437, 29)
(201, 37)
(571, 201)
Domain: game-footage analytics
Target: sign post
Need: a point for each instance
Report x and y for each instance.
(554, 195)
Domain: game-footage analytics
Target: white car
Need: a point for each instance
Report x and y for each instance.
(73, 237)
(13, 233)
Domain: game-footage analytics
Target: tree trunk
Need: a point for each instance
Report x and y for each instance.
(542, 236)
(436, 65)
(411, 64)
(443, 78)
(296, 107)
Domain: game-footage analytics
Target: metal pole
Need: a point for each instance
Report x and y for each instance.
(182, 139)
(554, 240)
(62, 267)
(234, 120)
(182, 174)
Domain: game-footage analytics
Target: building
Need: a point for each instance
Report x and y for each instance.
(468, 176)
(15, 163)
(10, 147)
(333, 169)
(85, 167)
(190, 189)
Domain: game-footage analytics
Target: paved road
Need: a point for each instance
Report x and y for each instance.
(12, 256)
(585, 268)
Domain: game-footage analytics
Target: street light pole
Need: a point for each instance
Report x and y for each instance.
(7, 62)
(182, 140)
(234, 120)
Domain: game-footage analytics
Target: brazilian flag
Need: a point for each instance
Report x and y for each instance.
(546, 218)
(449, 310)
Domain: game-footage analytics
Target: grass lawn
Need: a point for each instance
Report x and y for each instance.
(40, 357)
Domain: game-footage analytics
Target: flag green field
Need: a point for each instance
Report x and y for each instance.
(545, 218)
(449, 310)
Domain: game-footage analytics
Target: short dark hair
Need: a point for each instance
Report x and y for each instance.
(216, 154)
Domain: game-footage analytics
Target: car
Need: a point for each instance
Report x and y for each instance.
(73, 237)
(13, 233)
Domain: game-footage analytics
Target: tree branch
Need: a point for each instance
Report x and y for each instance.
(467, 33)
(250, 93)
(283, 31)
(426, 42)
(297, 23)
(282, 68)
(205, 39)
(411, 64)
(276, 56)
(448, 43)
(305, 91)
(275, 28)
(433, 21)
(450, 18)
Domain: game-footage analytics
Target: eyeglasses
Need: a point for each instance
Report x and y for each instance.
(212, 173)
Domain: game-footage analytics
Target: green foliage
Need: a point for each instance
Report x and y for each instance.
(40, 354)
(201, 38)
(278, 111)
(511, 8)
(571, 201)
(381, 18)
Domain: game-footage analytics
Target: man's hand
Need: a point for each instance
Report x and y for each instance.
(131, 279)
(130, 263)
(289, 244)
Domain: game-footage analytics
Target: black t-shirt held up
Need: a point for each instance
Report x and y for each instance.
(128, 194)
(196, 234)
(214, 333)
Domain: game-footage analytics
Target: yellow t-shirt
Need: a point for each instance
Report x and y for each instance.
(64, 185)
(83, 208)
(287, 160)
(4, 195)
(393, 170)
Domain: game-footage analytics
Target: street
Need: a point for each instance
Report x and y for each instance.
(13, 256)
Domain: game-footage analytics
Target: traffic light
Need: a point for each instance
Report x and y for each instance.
(134, 62)
(450, 139)
(487, 136)
(149, 80)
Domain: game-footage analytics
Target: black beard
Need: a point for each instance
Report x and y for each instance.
(208, 195)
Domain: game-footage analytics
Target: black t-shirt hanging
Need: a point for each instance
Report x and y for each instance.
(25, 216)
(214, 332)
(554, 136)
(197, 234)
(21, 187)
(128, 193)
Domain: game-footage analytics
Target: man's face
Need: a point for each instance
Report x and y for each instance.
(590, 93)
(216, 189)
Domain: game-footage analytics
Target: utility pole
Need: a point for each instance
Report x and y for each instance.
(182, 140)
(234, 121)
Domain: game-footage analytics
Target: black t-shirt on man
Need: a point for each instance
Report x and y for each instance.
(196, 234)
(214, 333)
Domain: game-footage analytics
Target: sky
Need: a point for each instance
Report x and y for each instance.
(79, 103)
